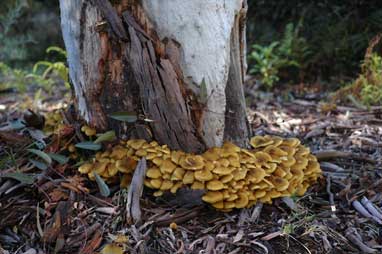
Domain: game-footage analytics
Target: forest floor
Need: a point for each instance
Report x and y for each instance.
(55, 210)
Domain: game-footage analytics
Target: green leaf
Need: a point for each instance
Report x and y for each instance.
(21, 177)
(107, 136)
(39, 164)
(61, 159)
(103, 188)
(88, 145)
(41, 154)
(124, 117)
(203, 96)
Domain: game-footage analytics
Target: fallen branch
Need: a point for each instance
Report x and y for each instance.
(133, 209)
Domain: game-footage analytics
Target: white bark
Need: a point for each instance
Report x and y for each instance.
(203, 29)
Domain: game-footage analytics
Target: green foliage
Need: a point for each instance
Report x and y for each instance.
(45, 74)
(269, 60)
(368, 86)
(371, 81)
(13, 45)
(27, 28)
(335, 32)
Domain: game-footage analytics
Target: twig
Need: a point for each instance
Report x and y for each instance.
(133, 208)
(355, 240)
(331, 196)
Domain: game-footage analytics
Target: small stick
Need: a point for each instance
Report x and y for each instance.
(371, 208)
(133, 208)
(331, 196)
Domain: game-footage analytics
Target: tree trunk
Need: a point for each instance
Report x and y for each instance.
(180, 64)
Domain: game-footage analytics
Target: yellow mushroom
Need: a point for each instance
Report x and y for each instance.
(192, 162)
(136, 143)
(167, 166)
(203, 175)
(166, 185)
(126, 165)
(242, 201)
(154, 173)
(212, 196)
(85, 168)
(222, 170)
(156, 183)
(178, 174)
(188, 177)
(259, 141)
(226, 178)
(212, 154)
(262, 158)
(197, 185)
(280, 183)
(215, 185)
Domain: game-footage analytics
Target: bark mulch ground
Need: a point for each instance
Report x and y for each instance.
(62, 212)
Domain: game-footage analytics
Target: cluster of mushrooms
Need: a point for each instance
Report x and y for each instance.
(232, 177)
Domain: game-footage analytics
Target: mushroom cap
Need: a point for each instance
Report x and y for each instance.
(260, 141)
(228, 146)
(212, 154)
(301, 163)
(234, 161)
(276, 140)
(100, 167)
(302, 151)
(85, 168)
(212, 196)
(215, 185)
(262, 158)
(167, 166)
(112, 169)
(126, 165)
(259, 193)
(118, 152)
(232, 197)
(222, 170)
(166, 185)
(147, 183)
(176, 155)
(175, 187)
(156, 183)
(178, 174)
(158, 193)
(280, 183)
(197, 185)
(290, 161)
(135, 143)
(154, 173)
(226, 178)
(157, 161)
(270, 167)
(188, 177)
(203, 175)
(257, 175)
(141, 153)
(292, 142)
(218, 205)
(275, 151)
(242, 201)
(312, 167)
(224, 162)
(192, 162)
(229, 205)
(239, 174)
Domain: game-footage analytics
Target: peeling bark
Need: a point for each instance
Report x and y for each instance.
(128, 57)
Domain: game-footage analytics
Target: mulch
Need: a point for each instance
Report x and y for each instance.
(63, 212)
